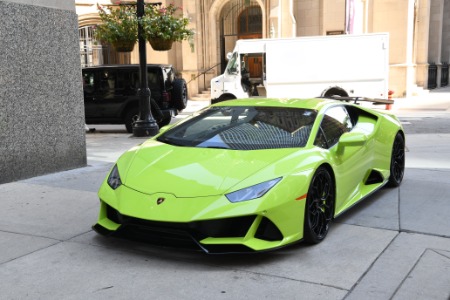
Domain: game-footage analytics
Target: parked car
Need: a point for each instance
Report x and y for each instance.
(110, 94)
(246, 175)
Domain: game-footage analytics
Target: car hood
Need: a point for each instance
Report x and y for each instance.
(193, 172)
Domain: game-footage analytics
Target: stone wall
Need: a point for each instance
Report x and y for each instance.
(41, 97)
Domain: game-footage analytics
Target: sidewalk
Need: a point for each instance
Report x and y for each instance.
(435, 100)
(394, 245)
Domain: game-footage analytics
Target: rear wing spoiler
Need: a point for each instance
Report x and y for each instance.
(375, 101)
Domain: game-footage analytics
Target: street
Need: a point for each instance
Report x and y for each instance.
(394, 245)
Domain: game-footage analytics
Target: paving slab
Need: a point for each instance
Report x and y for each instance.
(428, 278)
(45, 211)
(76, 271)
(424, 202)
(338, 262)
(391, 270)
(13, 245)
(83, 179)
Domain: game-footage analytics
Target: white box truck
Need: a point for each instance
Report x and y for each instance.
(305, 67)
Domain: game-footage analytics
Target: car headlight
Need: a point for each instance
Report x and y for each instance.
(114, 178)
(252, 192)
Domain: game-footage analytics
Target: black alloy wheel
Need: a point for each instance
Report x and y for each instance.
(397, 161)
(319, 206)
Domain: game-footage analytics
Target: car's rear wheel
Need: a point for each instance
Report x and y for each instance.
(179, 94)
(397, 161)
(319, 206)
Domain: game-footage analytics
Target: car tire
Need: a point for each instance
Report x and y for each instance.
(179, 94)
(131, 116)
(397, 166)
(319, 206)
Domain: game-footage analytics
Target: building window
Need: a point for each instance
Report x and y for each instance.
(94, 53)
(250, 21)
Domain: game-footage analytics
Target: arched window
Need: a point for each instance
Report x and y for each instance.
(250, 23)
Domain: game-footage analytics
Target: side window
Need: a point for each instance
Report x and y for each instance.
(123, 79)
(335, 123)
(107, 80)
(153, 79)
(88, 82)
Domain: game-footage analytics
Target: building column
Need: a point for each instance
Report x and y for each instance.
(288, 24)
(421, 41)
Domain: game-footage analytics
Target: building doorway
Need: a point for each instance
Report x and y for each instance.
(241, 19)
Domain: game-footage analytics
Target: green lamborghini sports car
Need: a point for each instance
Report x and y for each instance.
(252, 174)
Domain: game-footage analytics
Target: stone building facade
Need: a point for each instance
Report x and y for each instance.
(419, 33)
(41, 95)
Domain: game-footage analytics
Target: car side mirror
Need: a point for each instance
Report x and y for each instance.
(350, 139)
(229, 55)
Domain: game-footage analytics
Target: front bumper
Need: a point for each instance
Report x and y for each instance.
(226, 235)
(211, 225)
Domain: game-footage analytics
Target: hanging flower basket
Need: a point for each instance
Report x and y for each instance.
(159, 44)
(163, 25)
(124, 46)
(119, 27)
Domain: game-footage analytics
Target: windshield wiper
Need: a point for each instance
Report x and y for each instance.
(218, 147)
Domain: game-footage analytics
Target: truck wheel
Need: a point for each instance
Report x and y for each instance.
(335, 91)
(131, 116)
(179, 94)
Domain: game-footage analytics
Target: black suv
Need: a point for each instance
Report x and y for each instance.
(110, 94)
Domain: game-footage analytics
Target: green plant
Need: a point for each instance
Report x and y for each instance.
(119, 25)
(161, 22)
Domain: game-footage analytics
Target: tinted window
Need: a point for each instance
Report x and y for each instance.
(335, 123)
(88, 82)
(244, 128)
(108, 80)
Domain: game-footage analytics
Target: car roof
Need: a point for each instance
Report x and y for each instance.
(310, 103)
(127, 66)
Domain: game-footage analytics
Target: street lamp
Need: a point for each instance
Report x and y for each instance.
(145, 125)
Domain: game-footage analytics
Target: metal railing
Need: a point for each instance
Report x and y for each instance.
(432, 76)
(203, 73)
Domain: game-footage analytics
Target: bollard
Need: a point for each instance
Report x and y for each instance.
(389, 106)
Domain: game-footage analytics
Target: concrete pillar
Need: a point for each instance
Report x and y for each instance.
(42, 112)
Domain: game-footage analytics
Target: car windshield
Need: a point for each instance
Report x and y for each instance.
(243, 128)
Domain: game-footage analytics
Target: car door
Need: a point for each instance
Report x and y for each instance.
(350, 164)
(90, 78)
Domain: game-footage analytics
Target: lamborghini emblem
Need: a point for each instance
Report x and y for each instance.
(160, 200)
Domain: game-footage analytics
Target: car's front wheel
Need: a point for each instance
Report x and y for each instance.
(131, 116)
(319, 206)
(397, 161)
